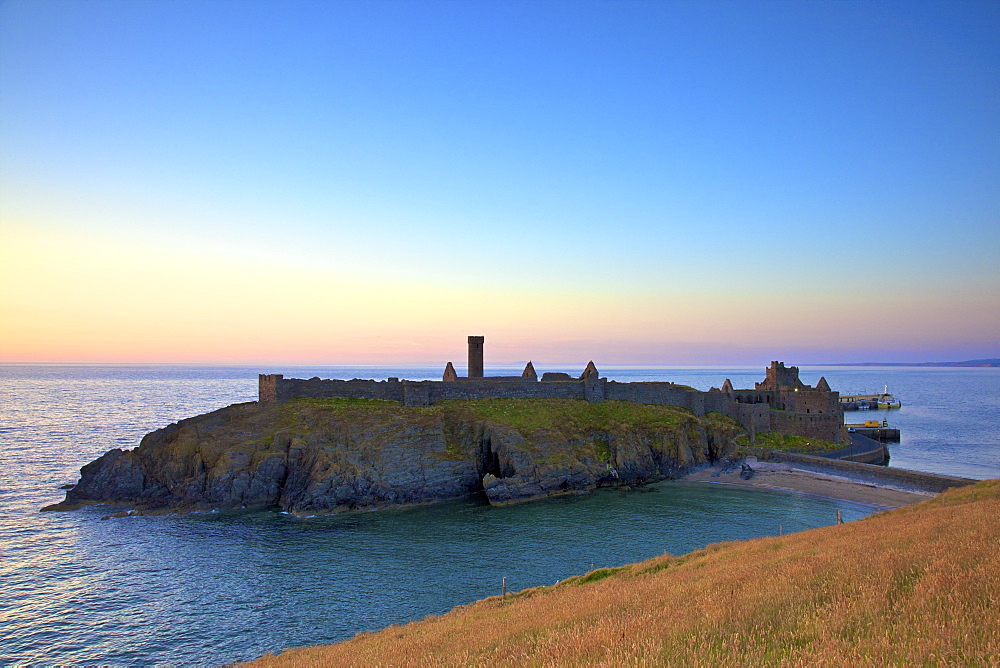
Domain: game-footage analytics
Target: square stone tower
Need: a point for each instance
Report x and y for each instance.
(476, 356)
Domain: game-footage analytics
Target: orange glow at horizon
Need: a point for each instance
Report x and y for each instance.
(105, 300)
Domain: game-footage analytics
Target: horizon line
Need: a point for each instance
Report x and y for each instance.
(974, 363)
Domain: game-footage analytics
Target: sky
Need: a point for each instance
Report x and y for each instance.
(661, 183)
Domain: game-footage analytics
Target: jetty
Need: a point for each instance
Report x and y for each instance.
(875, 430)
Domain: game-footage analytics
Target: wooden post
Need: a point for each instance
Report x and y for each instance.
(839, 520)
(503, 587)
(781, 530)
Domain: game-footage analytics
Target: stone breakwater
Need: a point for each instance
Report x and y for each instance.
(309, 456)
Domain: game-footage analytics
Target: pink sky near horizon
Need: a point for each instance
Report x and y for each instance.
(105, 299)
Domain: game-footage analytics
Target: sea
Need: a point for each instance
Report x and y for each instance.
(217, 587)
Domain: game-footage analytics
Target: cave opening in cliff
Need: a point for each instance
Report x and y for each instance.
(489, 460)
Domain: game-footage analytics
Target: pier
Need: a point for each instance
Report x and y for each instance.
(875, 430)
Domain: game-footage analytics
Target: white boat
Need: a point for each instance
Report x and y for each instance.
(886, 400)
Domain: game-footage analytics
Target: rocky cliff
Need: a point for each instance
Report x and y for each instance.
(321, 455)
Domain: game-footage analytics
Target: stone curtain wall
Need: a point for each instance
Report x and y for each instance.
(756, 415)
(484, 388)
(416, 393)
(275, 387)
(828, 427)
(391, 390)
(811, 401)
(664, 394)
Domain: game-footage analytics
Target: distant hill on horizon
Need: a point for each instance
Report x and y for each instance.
(970, 363)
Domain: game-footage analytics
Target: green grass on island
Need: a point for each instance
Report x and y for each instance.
(568, 416)
(555, 431)
(526, 415)
(786, 443)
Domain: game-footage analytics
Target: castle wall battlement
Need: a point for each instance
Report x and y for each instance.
(275, 387)
(660, 393)
(487, 388)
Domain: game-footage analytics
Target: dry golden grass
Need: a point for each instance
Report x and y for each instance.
(919, 585)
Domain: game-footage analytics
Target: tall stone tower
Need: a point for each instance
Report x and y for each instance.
(476, 356)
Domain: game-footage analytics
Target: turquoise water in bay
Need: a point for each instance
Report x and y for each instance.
(213, 588)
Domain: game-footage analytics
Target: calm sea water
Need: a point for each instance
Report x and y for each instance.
(214, 588)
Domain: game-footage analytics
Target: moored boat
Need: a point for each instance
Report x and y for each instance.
(884, 401)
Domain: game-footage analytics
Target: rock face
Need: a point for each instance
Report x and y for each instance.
(308, 456)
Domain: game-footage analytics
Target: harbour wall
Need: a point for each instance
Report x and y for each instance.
(862, 449)
(916, 481)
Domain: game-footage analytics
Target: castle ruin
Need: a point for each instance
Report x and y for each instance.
(780, 403)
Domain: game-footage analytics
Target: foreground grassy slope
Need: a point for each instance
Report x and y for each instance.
(919, 585)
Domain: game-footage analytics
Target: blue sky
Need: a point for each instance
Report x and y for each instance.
(673, 182)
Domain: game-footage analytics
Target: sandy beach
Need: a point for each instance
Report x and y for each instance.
(787, 478)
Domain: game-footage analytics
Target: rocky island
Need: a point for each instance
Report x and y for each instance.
(323, 455)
